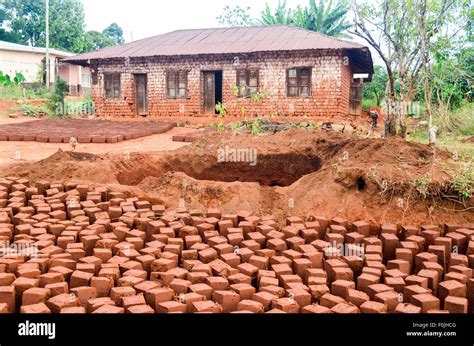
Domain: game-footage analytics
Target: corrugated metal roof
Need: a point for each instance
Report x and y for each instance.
(4, 45)
(222, 41)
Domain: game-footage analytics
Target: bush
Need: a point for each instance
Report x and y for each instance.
(56, 97)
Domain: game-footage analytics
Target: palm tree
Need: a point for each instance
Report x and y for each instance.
(326, 17)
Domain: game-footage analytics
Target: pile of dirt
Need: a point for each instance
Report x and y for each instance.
(297, 172)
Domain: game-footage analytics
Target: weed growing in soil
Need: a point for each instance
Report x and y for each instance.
(463, 182)
(422, 186)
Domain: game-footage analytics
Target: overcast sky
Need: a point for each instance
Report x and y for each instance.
(144, 18)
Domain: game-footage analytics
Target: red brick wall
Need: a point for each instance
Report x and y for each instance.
(331, 75)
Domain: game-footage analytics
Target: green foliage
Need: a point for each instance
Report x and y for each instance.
(326, 17)
(221, 109)
(463, 181)
(422, 186)
(258, 96)
(220, 126)
(26, 21)
(115, 33)
(34, 110)
(56, 98)
(235, 16)
(375, 90)
(256, 127)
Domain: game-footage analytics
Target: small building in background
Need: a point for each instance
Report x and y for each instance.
(30, 61)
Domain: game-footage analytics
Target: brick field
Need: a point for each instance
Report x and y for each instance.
(84, 130)
(69, 248)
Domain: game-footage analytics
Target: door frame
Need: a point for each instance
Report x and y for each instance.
(136, 77)
(218, 94)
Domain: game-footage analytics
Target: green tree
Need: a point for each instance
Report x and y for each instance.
(4, 34)
(235, 16)
(115, 33)
(326, 17)
(27, 19)
(95, 40)
(375, 90)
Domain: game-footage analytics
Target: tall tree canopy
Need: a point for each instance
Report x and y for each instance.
(25, 20)
(324, 16)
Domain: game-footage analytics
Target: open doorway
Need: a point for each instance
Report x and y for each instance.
(212, 93)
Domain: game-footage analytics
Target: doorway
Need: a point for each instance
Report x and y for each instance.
(141, 94)
(212, 93)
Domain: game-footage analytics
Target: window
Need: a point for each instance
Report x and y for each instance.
(177, 84)
(247, 82)
(112, 85)
(298, 82)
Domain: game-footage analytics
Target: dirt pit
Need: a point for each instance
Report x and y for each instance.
(296, 172)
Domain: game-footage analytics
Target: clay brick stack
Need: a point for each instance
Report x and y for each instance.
(84, 130)
(77, 249)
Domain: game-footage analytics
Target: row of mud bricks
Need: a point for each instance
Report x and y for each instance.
(71, 248)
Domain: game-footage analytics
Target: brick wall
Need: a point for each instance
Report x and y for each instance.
(330, 82)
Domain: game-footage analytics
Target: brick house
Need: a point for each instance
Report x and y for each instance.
(280, 70)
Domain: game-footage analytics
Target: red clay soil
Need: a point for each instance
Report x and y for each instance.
(298, 172)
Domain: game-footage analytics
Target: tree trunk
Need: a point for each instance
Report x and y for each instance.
(390, 118)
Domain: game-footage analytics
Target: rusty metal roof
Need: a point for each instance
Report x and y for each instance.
(223, 41)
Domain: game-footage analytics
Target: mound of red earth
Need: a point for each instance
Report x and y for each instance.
(84, 130)
(68, 248)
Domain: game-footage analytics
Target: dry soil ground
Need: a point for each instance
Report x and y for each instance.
(298, 172)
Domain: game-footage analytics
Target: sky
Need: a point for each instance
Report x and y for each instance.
(144, 18)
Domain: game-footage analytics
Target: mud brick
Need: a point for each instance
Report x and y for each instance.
(208, 255)
(456, 276)
(456, 305)
(432, 276)
(129, 301)
(451, 288)
(235, 238)
(217, 283)
(341, 287)
(300, 266)
(286, 305)
(440, 252)
(103, 285)
(244, 290)
(171, 307)
(345, 308)
(426, 302)
(58, 288)
(461, 269)
(353, 238)
(245, 254)
(7, 296)
(329, 300)
(239, 278)
(405, 254)
(248, 269)
(35, 295)
(229, 300)
(276, 244)
(84, 294)
(281, 269)
(205, 306)
(201, 289)
(39, 308)
(61, 301)
(300, 296)
(109, 309)
(6, 279)
(259, 262)
(180, 285)
(251, 306)
(374, 289)
(74, 310)
(312, 273)
(365, 280)
(390, 244)
(224, 248)
(409, 230)
(361, 227)
(424, 257)
(372, 307)
(231, 259)
(316, 258)
(459, 242)
(22, 284)
(158, 295)
(401, 265)
(316, 309)
(416, 280)
(267, 281)
(458, 259)
(390, 298)
(356, 297)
